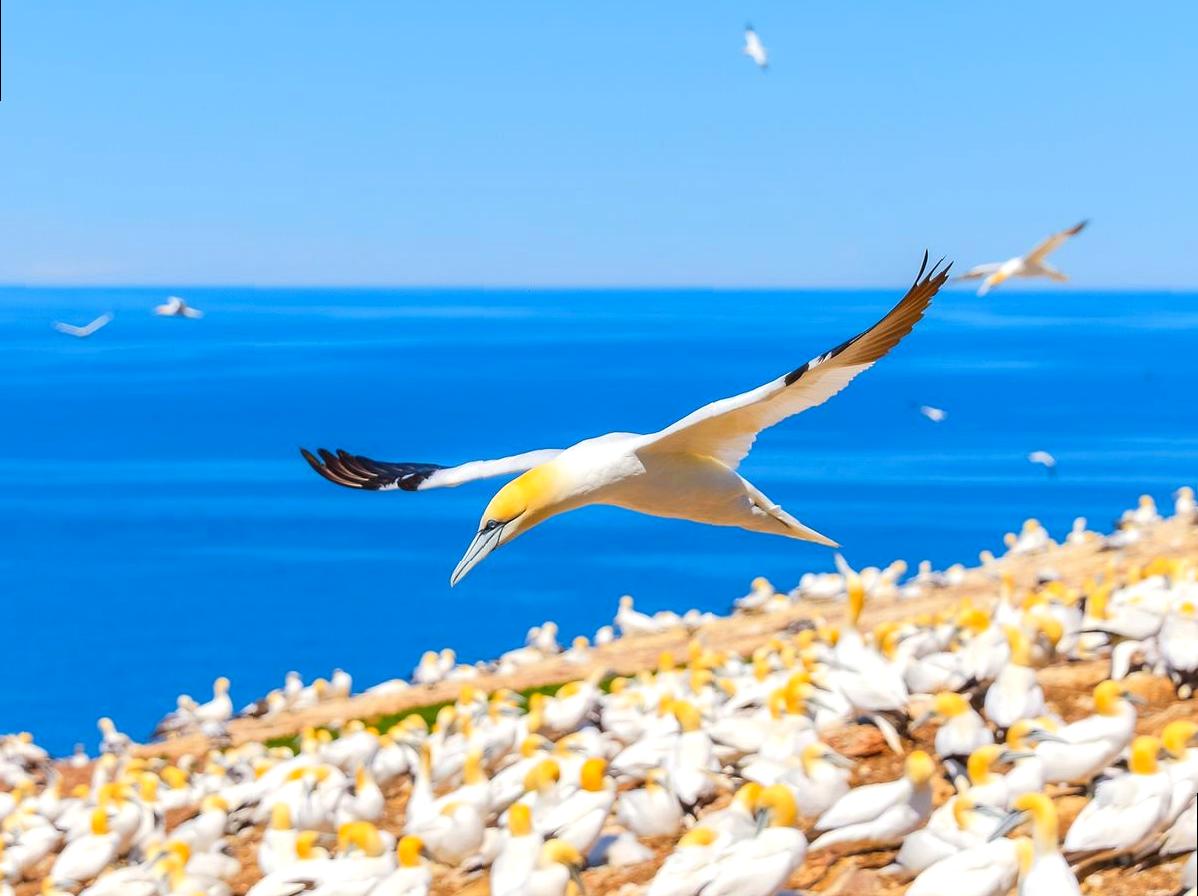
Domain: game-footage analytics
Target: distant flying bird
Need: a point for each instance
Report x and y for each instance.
(1030, 265)
(754, 48)
(1044, 459)
(685, 471)
(176, 307)
(936, 415)
(87, 329)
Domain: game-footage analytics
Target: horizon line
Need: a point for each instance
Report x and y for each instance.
(504, 287)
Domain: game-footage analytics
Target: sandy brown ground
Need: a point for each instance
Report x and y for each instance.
(844, 870)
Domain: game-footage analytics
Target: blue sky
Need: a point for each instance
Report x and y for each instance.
(613, 143)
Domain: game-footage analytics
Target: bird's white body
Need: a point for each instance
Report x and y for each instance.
(1014, 695)
(405, 882)
(1086, 746)
(875, 812)
(650, 811)
(84, 858)
(1125, 811)
(760, 865)
(1049, 875)
(988, 869)
(687, 869)
(754, 49)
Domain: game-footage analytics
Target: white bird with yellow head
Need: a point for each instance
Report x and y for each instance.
(686, 471)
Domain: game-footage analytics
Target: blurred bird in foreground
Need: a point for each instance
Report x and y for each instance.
(1031, 265)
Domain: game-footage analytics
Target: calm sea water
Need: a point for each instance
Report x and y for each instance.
(159, 528)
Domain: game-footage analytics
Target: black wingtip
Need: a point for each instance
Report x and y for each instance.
(936, 273)
(312, 461)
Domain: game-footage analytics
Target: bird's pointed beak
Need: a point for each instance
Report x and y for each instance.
(484, 542)
(1008, 824)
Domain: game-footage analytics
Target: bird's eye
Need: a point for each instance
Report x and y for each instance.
(492, 524)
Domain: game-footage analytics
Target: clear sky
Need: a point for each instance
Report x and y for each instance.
(613, 143)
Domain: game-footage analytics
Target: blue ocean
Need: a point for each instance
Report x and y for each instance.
(160, 528)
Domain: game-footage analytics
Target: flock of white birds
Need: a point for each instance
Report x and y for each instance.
(530, 791)
(172, 307)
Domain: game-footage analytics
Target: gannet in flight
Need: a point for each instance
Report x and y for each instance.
(685, 471)
(87, 329)
(176, 307)
(936, 415)
(754, 48)
(1031, 265)
(1044, 459)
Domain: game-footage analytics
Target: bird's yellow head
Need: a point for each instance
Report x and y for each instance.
(559, 852)
(1017, 734)
(778, 804)
(980, 763)
(519, 820)
(699, 836)
(305, 844)
(407, 851)
(950, 704)
(1178, 736)
(1108, 698)
(147, 787)
(542, 776)
(1044, 819)
(280, 817)
(591, 777)
(920, 768)
(1021, 647)
(1049, 628)
(99, 821)
(527, 500)
(360, 835)
(748, 794)
(688, 716)
(1144, 751)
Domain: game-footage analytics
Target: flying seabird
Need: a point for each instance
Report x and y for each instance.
(685, 471)
(1044, 459)
(936, 415)
(1031, 265)
(176, 307)
(87, 329)
(754, 48)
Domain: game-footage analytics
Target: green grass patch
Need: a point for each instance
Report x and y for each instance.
(385, 723)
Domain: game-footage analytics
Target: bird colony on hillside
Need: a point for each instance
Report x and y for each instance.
(730, 760)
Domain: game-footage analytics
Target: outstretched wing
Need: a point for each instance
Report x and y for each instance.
(87, 329)
(726, 429)
(356, 471)
(1053, 242)
(978, 271)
